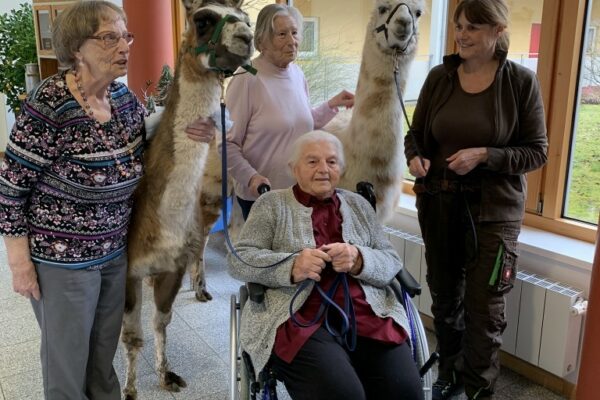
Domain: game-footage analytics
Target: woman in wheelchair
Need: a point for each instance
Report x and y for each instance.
(355, 349)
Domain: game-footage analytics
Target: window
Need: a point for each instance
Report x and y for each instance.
(525, 26)
(310, 38)
(582, 192)
(330, 54)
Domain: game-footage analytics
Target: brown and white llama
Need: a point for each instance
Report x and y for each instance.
(170, 219)
(373, 135)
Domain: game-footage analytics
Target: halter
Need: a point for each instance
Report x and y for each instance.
(210, 49)
(384, 27)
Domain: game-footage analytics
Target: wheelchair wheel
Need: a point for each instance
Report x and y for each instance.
(421, 346)
(239, 380)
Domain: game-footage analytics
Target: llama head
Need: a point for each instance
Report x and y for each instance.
(218, 34)
(395, 25)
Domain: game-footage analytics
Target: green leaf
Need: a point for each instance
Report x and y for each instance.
(17, 48)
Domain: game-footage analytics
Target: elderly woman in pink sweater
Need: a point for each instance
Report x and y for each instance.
(272, 109)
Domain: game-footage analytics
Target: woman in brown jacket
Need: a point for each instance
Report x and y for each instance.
(478, 127)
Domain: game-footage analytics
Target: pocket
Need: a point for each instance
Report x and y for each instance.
(504, 272)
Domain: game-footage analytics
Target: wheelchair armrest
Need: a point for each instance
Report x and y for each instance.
(256, 292)
(408, 283)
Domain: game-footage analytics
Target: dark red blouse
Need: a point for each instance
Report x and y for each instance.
(327, 228)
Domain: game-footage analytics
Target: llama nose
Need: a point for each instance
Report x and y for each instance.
(404, 23)
(244, 37)
(404, 27)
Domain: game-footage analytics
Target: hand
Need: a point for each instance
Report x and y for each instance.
(464, 161)
(419, 167)
(344, 257)
(24, 280)
(342, 99)
(256, 181)
(309, 264)
(201, 130)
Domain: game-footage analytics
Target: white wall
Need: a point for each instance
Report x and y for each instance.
(7, 5)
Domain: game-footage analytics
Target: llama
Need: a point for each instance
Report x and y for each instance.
(372, 133)
(168, 227)
(372, 136)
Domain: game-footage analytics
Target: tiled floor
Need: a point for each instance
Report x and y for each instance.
(198, 342)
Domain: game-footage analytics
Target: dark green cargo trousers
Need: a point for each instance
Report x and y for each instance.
(471, 265)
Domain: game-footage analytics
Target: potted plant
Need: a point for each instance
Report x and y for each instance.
(17, 48)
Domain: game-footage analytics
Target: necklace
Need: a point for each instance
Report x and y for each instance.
(98, 128)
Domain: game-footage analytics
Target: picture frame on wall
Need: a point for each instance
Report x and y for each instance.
(309, 48)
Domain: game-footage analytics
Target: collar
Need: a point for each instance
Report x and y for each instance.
(452, 61)
(308, 200)
(271, 69)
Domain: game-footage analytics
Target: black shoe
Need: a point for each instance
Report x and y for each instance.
(442, 390)
(481, 394)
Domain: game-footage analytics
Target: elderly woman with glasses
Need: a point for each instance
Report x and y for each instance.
(329, 239)
(73, 160)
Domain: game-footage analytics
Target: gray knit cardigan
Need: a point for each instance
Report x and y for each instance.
(278, 226)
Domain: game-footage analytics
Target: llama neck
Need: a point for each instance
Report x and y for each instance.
(377, 106)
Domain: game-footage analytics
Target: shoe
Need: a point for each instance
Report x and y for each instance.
(442, 390)
(481, 394)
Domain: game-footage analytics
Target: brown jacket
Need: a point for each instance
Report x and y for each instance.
(519, 139)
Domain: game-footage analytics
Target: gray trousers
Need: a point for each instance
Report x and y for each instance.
(80, 316)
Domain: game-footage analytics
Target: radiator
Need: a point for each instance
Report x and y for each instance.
(544, 317)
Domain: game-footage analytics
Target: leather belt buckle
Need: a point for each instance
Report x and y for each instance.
(444, 185)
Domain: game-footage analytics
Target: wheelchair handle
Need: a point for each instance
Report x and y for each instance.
(263, 188)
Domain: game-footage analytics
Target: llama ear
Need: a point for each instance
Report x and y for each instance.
(189, 4)
(238, 3)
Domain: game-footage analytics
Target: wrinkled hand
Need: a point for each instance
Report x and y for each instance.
(256, 181)
(344, 257)
(464, 161)
(309, 264)
(342, 99)
(24, 280)
(201, 130)
(417, 168)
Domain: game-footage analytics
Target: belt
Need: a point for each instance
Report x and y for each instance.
(433, 186)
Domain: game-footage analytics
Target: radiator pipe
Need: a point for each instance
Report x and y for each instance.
(589, 370)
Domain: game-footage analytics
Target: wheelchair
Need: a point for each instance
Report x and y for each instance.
(246, 384)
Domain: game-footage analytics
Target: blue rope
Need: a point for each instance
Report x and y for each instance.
(348, 329)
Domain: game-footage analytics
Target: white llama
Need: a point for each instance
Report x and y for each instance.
(373, 139)
(169, 222)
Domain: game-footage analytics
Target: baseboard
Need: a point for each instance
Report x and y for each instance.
(531, 372)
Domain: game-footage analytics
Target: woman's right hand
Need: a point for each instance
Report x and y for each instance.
(309, 264)
(24, 280)
(256, 181)
(418, 166)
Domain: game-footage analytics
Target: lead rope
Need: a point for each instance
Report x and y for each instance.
(224, 193)
(420, 155)
(348, 330)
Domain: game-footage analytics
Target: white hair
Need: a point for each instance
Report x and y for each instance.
(265, 22)
(313, 137)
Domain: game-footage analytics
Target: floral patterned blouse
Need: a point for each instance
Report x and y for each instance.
(67, 181)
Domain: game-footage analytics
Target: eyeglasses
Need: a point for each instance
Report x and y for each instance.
(111, 39)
